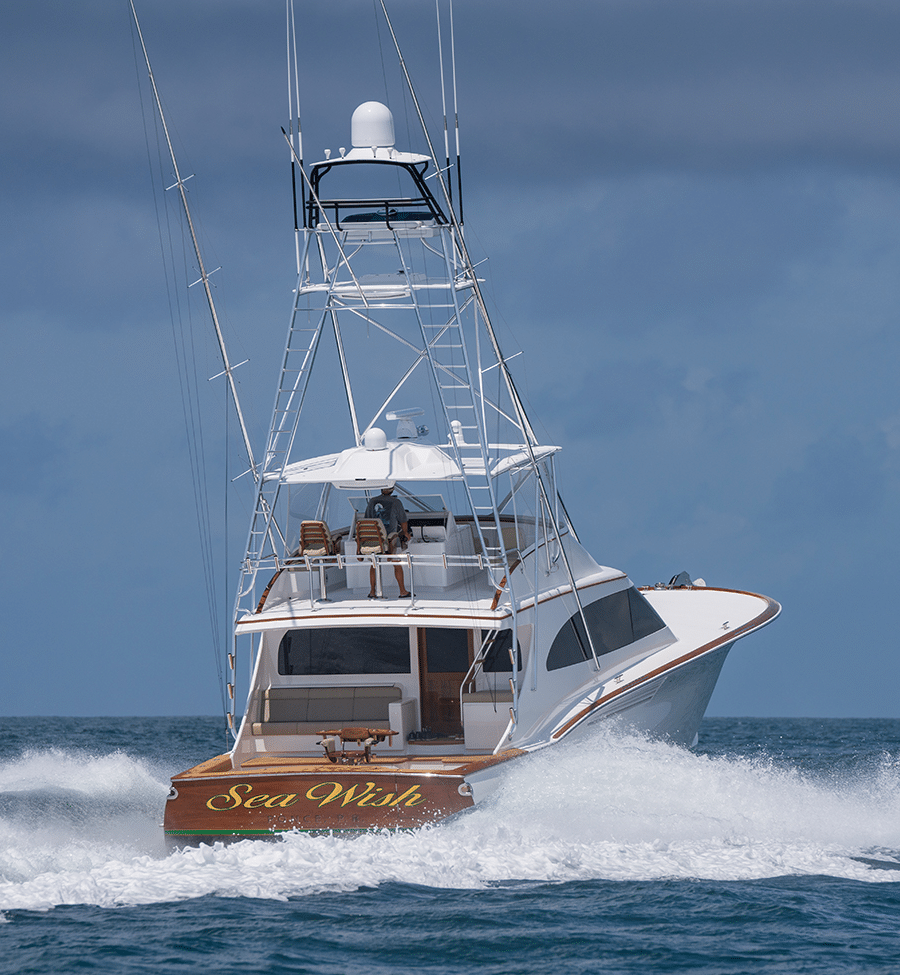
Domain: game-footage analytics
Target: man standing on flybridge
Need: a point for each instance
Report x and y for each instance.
(390, 511)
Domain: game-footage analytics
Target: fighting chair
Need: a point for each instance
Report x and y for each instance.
(366, 737)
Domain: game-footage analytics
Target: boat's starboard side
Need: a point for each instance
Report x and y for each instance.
(693, 661)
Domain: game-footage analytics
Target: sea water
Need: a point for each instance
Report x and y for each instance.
(772, 847)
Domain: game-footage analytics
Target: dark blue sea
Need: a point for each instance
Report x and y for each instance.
(773, 847)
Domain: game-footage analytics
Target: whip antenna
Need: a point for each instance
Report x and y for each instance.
(293, 83)
(455, 114)
(437, 14)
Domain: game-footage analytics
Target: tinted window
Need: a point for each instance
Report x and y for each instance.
(570, 646)
(497, 660)
(447, 650)
(609, 620)
(345, 650)
(614, 621)
(644, 617)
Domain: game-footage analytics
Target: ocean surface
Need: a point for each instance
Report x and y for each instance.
(773, 847)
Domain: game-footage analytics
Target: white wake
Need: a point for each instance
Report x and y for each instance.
(79, 829)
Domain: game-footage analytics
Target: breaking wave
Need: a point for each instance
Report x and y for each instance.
(85, 829)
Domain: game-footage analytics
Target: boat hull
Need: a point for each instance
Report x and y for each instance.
(208, 805)
(271, 794)
(671, 706)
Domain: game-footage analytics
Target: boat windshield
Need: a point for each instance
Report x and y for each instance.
(424, 504)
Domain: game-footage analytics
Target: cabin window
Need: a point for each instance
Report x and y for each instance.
(497, 660)
(644, 618)
(341, 650)
(614, 621)
(447, 649)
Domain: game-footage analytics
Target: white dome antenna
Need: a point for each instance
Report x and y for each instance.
(372, 126)
(375, 439)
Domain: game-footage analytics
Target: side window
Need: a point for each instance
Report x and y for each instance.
(644, 617)
(497, 659)
(609, 620)
(570, 646)
(614, 622)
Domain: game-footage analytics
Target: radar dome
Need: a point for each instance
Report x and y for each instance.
(372, 125)
(375, 439)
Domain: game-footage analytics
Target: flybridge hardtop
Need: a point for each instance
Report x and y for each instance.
(415, 608)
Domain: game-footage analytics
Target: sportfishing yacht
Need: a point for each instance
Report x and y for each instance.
(415, 608)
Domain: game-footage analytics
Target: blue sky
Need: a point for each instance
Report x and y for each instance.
(692, 217)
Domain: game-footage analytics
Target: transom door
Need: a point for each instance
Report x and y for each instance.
(445, 656)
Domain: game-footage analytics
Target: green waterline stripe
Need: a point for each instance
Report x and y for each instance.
(290, 829)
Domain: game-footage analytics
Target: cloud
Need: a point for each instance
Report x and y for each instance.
(700, 85)
(690, 210)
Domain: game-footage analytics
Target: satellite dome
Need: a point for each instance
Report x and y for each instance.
(375, 439)
(372, 125)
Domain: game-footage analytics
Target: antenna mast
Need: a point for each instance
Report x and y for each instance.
(437, 14)
(455, 114)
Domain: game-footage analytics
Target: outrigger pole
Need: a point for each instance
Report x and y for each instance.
(293, 85)
(204, 277)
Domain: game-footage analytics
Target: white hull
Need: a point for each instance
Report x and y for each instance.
(671, 706)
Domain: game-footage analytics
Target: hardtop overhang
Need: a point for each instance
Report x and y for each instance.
(403, 460)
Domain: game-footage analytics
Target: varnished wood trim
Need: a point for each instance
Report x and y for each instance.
(466, 765)
(265, 595)
(769, 613)
(368, 617)
(477, 764)
(499, 591)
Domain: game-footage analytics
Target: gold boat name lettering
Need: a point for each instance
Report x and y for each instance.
(322, 793)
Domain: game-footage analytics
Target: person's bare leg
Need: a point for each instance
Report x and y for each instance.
(398, 575)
